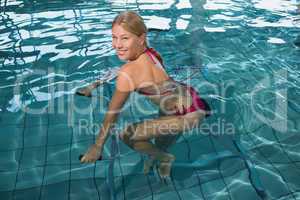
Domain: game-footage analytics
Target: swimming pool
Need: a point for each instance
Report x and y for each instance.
(242, 56)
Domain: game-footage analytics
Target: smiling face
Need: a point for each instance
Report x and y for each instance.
(128, 46)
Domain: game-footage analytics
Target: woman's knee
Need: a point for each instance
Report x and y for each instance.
(128, 134)
(164, 142)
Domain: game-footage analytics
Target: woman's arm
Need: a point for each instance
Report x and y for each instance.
(123, 88)
(106, 77)
(116, 103)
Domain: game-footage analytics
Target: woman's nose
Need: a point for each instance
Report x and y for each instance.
(119, 44)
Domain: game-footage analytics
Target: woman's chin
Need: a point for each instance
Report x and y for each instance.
(122, 57)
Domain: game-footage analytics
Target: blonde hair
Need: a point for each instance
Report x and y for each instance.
(131, 22)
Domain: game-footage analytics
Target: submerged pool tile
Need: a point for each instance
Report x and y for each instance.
(33, 120)
(3, 97)
(56, 118)
(32, 193)
(12, 118)
(83, 133)
(80, 116)
(291, 147)
(72, 111)
(279, 156)
(263, 134)
(198, 147)
(10, 137)
(128, 164)
(84, 171)
(56, 173)
(7, 180)
(58, 155)
(35, 136)
(232, 39)
(31, 177)
(33, 157)
(290, 172)
(269, 153)
(9, 160)
(215, 189)
(95, 188)
(185, 177)
(59, 190)
(124, 149)
(240, 181)
(59, 134)
(6, 194)
(272, 181)
(101, 169)
(134, 186)
(166, 192)
(192, 193)
(230, 166)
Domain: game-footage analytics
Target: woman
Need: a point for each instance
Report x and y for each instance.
(179, 105)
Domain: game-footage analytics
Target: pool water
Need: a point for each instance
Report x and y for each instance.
(242, 56)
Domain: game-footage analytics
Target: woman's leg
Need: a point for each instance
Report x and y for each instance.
(138, 136)
(163, 143)
(143, 145)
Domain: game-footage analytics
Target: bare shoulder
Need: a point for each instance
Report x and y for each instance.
(124, 68)
(126, 80)
(129, 68)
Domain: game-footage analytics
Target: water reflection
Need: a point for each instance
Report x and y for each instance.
(47, 49)
(275, 5)
(76, 37)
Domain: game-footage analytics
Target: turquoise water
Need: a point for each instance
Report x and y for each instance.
(242, 56)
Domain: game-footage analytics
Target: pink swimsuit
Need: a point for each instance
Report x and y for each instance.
(197, 103)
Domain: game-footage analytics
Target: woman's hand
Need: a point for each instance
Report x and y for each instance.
(183, 102)
(92, 154)
(115, 105)
(86, 91)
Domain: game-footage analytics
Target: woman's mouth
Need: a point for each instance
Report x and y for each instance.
(121, 52)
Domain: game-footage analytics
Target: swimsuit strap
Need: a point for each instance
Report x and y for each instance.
(155, 57)
(157, 60)
(155, 53)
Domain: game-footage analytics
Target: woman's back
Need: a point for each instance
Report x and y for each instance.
(147, 71)
(150, 79)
